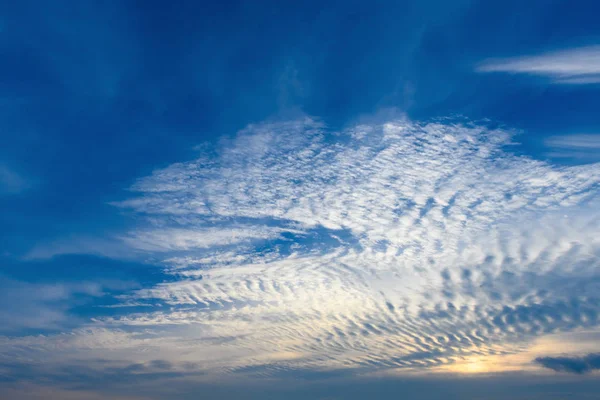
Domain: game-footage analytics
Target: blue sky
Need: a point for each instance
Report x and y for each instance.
(310, 200)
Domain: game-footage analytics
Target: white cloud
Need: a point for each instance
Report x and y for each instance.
(583, 147)
(393, 245)
(581, 141)
(576, 66)
(166, 239)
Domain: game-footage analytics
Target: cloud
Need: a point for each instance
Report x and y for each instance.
(574, 365)
(433, 243)
(46, 306)
(390, 245)
(578, 146)
(44, 392)
(185, 239)
(80, 244)
(589, 142)
(290, 86)
(11, 182)
(577, 66)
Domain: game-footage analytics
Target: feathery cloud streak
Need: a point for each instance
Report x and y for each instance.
(576, 66)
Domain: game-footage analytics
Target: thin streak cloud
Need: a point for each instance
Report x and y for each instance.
(584, 147)
(577, 66)
(580, 142)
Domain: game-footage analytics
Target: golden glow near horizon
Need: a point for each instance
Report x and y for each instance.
(582, 342)
(364, 271)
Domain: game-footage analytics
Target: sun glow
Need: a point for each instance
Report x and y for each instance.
(474, 367)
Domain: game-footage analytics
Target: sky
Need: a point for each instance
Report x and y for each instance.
(299, 200)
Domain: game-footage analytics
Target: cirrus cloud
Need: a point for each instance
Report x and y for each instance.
(576, 66)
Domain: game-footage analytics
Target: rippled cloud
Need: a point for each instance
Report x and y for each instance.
(392, 246)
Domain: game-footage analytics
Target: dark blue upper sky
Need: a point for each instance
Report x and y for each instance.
(98, 94)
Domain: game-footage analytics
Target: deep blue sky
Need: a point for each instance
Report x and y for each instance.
(97, 95)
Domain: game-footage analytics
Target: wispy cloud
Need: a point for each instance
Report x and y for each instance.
(25, 305)
(576, 66)
(11, 182)
(80, 244)
(585, 147)
(185, 239)
(586, 142)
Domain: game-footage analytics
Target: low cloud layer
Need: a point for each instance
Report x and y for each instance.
(574, 365)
